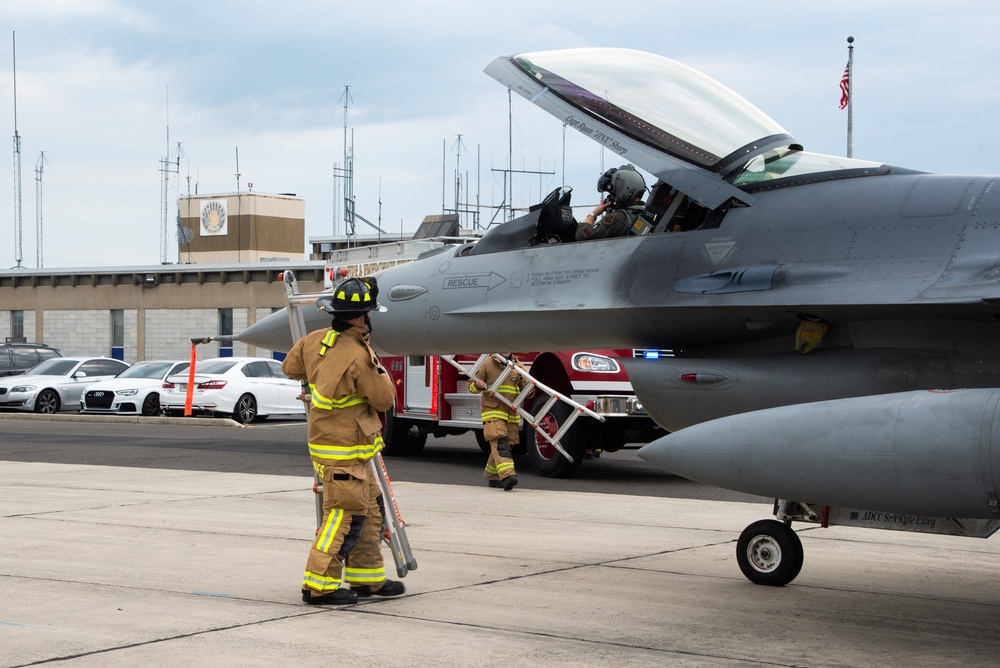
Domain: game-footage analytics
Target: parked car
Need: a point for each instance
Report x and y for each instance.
(135, 391)
(16, 358)
(56, 384)
(247, 389)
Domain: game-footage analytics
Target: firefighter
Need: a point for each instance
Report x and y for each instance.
(348, 387)
(501, 423)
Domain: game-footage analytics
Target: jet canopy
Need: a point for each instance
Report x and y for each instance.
(679, 124)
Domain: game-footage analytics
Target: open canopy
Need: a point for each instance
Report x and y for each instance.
(679, 124)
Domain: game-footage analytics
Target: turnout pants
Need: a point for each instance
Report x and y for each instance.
(502, 436)
(347, 546)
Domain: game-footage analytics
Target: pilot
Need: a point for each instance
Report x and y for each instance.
(348, 386)
(501, 423)
(625, 188)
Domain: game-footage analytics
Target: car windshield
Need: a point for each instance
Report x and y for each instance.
(53, 367)
(146, 370)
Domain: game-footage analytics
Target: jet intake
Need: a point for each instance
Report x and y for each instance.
(926, 452)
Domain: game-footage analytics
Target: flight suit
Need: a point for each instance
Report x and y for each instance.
(347, 390)
(614, 223)
(501, 424)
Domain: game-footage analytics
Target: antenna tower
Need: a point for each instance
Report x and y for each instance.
(17, 169)
(170, 163)
(39, 166)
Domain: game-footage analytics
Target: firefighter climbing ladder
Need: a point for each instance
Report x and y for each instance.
(518, 402)
(393, 529)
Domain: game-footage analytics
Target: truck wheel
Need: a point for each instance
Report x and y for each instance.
(545, 459)
(398, 439)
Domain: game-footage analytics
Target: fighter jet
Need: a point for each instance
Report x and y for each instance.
(833, 321)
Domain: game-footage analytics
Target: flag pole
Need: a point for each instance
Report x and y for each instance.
(850, 97)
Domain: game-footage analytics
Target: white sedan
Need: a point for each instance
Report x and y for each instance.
(56, 384)
(135, 391)
(247, 389)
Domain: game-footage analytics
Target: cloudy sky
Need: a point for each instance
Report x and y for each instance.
(99, 81)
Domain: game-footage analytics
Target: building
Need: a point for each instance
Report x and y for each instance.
(137, 313)
(241, 227)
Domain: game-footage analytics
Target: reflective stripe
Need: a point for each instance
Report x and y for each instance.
(333, 520)
(364, 575)
(510, 389)
(320, 582)
(327, 341)
(343, 452)
(501, 415)
(503, 467)
(474, 388)
(327, 404)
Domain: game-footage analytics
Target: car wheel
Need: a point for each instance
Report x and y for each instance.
(47, 402)
(245, 410)
(151, 404)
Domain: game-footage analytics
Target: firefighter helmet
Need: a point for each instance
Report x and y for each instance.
(624, 184)
(350, 299)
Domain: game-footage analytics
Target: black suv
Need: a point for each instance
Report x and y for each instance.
(16, 358)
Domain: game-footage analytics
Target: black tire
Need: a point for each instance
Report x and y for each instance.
(151, 404)
(47, 402)
(397, 437)
(481, 441)
(245, 410)
(546, 460)
(769, 553)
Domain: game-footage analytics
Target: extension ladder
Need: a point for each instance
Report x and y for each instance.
(518, 402)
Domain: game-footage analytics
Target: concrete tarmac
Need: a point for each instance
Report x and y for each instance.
(105, 566)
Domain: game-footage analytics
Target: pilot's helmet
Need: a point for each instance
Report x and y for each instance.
(350, 299)
(623, 183)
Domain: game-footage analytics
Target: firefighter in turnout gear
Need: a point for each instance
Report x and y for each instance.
(348, 386)
(501, 423)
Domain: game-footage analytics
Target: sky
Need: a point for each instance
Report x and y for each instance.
(99, 82)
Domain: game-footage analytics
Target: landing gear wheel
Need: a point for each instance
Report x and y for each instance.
(770, 553)
(245, 410)
(151, 404)
(398, 439)
(47, 402)
(545, 459)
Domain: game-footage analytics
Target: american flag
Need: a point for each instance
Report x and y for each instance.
(845, 87)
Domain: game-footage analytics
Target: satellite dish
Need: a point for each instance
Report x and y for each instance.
(184, 235)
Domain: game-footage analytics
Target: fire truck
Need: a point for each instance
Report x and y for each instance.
(433, 397)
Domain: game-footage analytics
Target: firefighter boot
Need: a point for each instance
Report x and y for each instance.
(389, 588)
(495, 483)
(335, 597)
(509, 482)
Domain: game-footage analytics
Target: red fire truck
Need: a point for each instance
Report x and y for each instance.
(433, 399)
